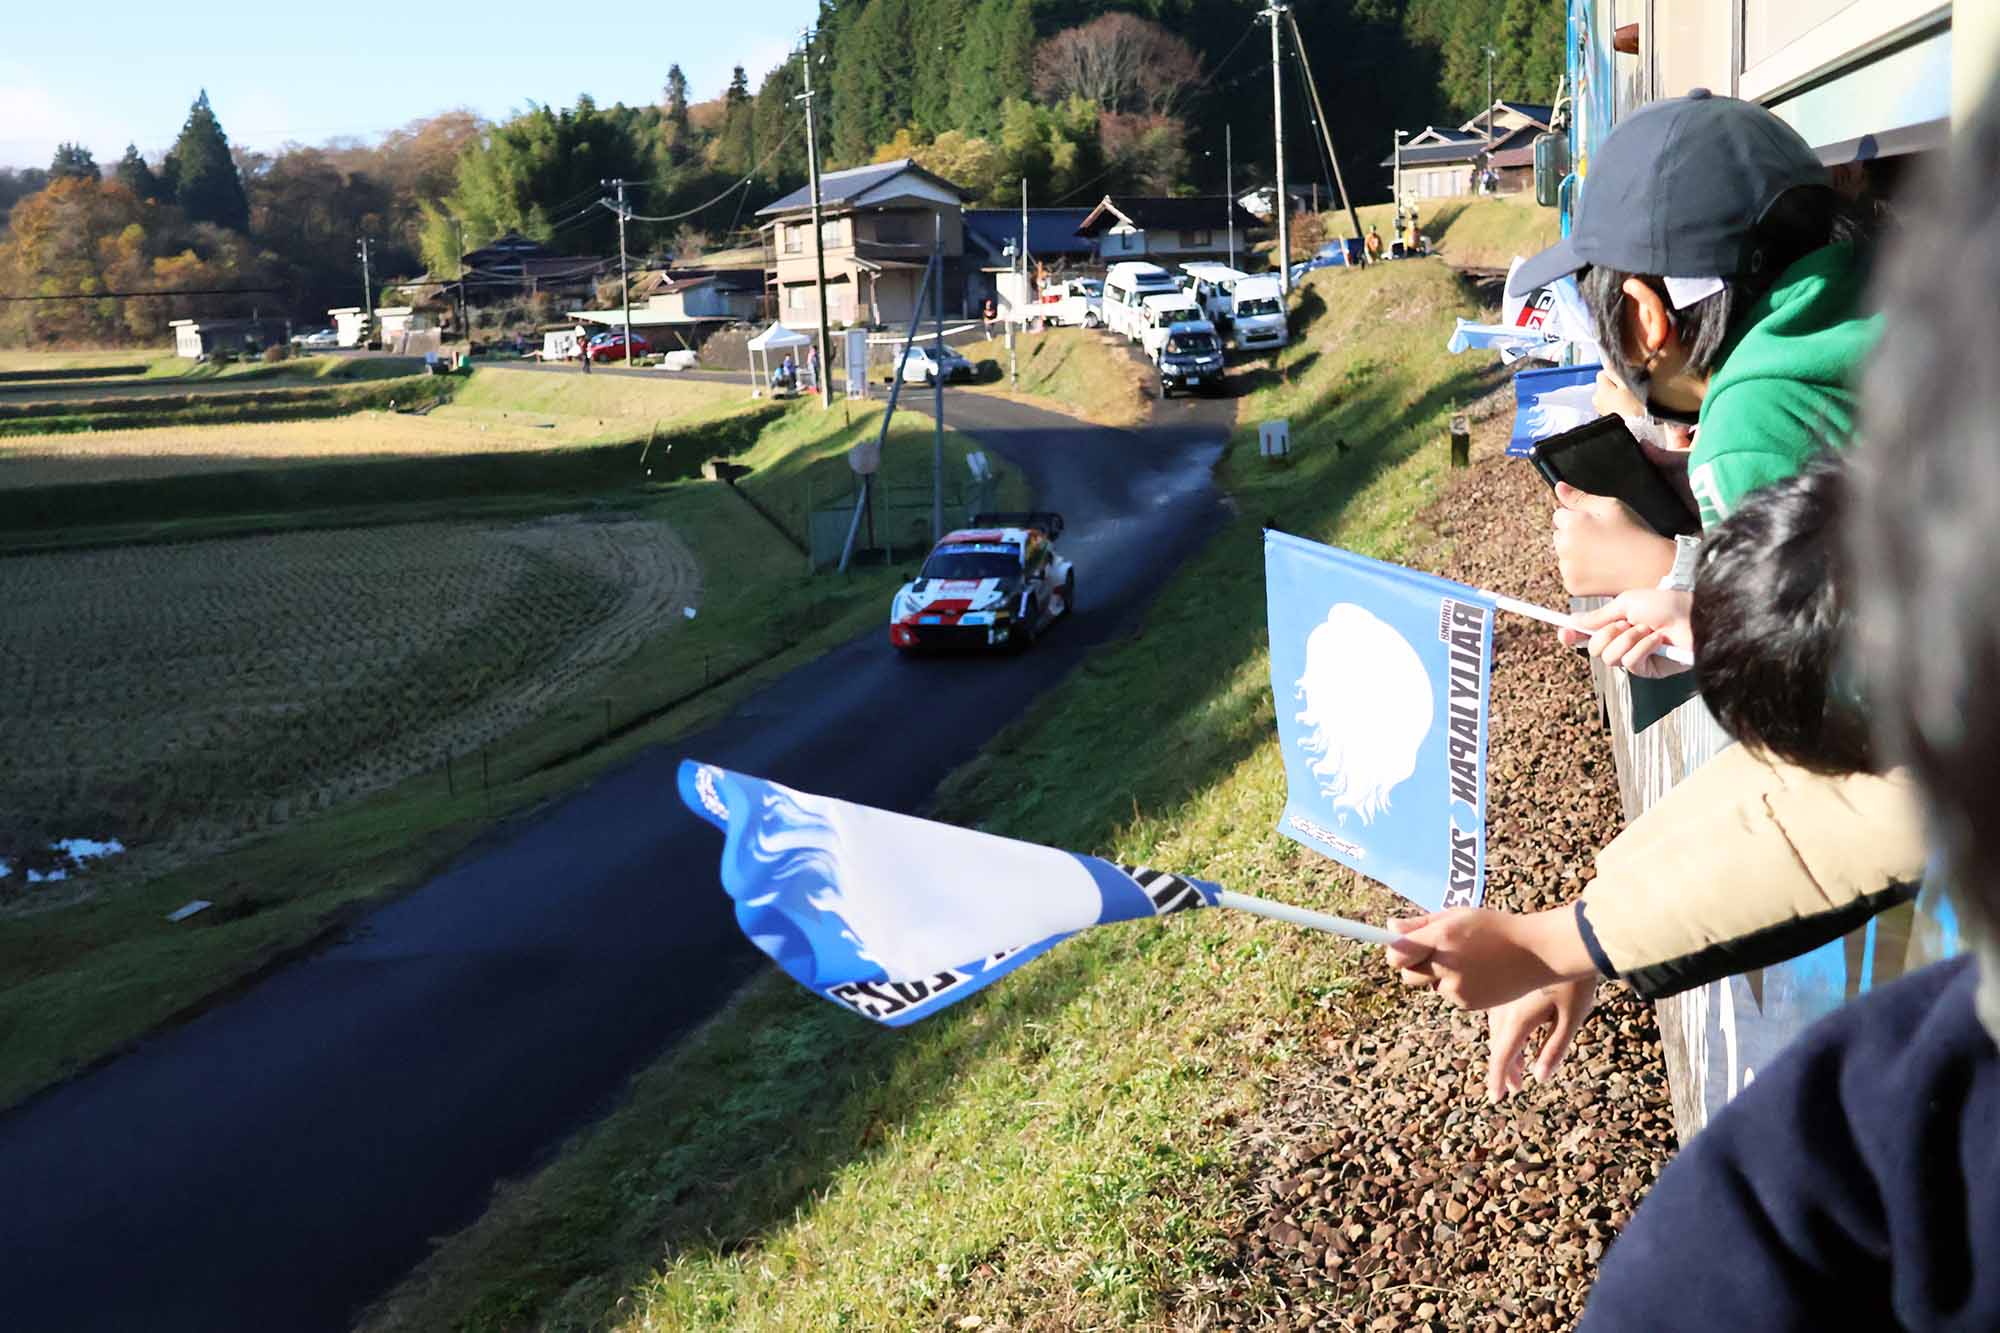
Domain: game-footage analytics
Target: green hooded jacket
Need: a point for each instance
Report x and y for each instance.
(1784, 388)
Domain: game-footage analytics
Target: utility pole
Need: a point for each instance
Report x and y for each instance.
(367, 294)
(1326, 136)
(624, 285)
(464, 320)
(1273, 12)
(1396, 186)
(1019, 324)
(819, 235)
(1229, 186)
(1490, 53)
(937, 377)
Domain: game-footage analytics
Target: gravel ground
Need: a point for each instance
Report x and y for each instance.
(1385, 1193)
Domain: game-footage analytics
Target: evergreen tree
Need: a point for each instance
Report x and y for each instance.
(675, 128)
(136, 176)
(73, 162)
(776, 122)
(873, 77)
(998, 63)
(735, 146)
(938, 30)
(203, 175)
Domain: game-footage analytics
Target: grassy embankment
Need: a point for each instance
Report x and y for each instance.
(1057, 1151)
(1468, 232)
(77, 983)
(1084, 372)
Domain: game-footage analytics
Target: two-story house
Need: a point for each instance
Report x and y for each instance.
(1167, 229)
(1440, 161)
(878, 223)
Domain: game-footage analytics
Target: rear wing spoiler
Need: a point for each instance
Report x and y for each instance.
(1047, 520)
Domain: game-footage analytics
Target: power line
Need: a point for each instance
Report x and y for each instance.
(698, 208)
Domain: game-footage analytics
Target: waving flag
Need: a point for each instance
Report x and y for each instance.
(1381, 676)
(1549, 402)
(896, 917)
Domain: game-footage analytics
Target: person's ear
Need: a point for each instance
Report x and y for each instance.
(1649, 325)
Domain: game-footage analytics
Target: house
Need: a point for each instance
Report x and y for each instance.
(399, 328)
(688, 304)
(878, 224)
(993, 237)
(1441, 161)
(514, 265)
(1165, 228)
(196, 338)
(1262, 201)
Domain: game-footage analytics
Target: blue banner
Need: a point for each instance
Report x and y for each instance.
(1381, 677)
(1549, 402)
(896, 917)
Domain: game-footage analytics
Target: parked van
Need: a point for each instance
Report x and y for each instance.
(1213, 287)
(1126, 287)
(1079, 302)
(1257, 315)
(1161, 313)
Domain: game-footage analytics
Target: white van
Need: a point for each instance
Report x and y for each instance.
(1161, 314)
(1126, 286)
(1214, 287)
(1257, 314)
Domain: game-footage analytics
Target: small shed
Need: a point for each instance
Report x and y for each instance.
(777, 339)
(196, 338)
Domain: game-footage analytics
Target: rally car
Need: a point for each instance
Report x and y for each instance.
(996, 584)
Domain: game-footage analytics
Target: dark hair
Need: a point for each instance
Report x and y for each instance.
(1797, 223)
(1769, 625)
(1927, 507)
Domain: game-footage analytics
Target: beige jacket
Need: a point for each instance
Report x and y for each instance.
(1746, 863)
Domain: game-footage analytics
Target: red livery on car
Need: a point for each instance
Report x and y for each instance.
(996, 584)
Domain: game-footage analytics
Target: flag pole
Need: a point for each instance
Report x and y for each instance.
(1299, 916)
(1561, 621)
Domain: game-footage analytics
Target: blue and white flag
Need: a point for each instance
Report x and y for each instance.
(896, 917)
(1549, 402)
(1381, 677)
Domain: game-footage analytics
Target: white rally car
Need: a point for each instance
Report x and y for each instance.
(996, 584)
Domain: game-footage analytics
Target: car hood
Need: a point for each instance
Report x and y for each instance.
(954, 596)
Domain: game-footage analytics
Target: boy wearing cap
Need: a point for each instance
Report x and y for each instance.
(1709, 248)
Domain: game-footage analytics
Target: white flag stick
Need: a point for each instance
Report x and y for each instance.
(1561, 621)
(1299, 916)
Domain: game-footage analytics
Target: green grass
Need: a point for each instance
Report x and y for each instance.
(1483, 232)
(1080, 369)
(275, 402)
(1055, 1152)
(79, 983)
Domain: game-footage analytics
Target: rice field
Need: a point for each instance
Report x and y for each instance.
(181, 697)
(495, 412)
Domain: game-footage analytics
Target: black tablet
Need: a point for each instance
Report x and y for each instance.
(1601, 457)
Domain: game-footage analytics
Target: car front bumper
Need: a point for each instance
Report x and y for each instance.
(983, 632)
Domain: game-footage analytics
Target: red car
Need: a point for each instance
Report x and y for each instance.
(611, 346)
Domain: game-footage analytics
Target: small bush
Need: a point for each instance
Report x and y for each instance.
(275, 353)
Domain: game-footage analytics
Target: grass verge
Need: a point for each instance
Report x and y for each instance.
(1056, 1151)
(1083, 371)
(77, 983)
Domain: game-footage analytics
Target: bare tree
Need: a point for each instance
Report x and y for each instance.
(1123, 63)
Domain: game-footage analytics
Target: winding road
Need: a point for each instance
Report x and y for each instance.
(280, 1161)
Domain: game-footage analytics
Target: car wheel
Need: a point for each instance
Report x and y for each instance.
(1069, 593)
(1027, 624)
(1166, 390)
(1092, 322)
(930, 381)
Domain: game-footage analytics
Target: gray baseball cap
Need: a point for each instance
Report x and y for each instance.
(1677, 191)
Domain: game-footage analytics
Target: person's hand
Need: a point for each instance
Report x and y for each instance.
(1561, 1008)
(1610, 398)
(1630, 629)
(1477, 958)
(1602, 549)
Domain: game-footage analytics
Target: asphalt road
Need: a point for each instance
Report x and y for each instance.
(280, 1161)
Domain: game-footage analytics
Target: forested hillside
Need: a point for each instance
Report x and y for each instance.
(1076, 97)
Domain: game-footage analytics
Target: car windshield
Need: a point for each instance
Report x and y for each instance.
(1265, 305)
(973, 562)
(1192, 344)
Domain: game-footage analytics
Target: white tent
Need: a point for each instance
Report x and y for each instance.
(777, 338)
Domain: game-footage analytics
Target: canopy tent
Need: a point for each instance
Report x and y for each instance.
(779, 339)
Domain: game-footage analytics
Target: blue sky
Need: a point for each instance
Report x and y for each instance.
(114, 71)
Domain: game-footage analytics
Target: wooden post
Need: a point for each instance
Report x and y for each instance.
(1461, 441)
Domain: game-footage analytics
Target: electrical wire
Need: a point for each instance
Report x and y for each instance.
(698, 208)
(1231, 54)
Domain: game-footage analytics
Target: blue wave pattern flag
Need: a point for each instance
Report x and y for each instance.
(896, 917)
(1549, 402)
(1381, 677)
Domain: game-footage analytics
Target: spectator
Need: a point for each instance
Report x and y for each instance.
(1856, 1182)
(1373, 243)
(1777, 846)
(583, 347)
(1717, 263)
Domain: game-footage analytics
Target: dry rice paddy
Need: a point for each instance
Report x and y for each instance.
(180, 697)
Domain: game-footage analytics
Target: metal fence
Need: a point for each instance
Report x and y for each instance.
(896, 525)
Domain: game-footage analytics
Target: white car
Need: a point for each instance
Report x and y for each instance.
(922, 365)
(1257, 314)
(1078, 302)
(319, 338)
(1161, 314)
(1126, 287)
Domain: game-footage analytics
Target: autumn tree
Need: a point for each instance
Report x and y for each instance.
(1121, 62)
(202, 173)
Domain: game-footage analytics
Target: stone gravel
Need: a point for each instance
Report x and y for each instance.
(1384, 1191)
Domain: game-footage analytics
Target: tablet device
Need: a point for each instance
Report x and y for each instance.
(1601, 457)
